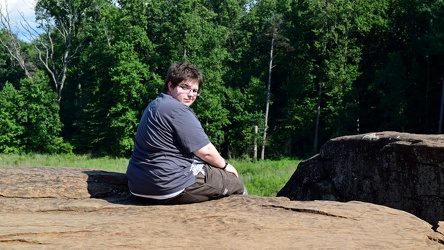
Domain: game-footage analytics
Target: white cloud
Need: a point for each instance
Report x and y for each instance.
(16, 9)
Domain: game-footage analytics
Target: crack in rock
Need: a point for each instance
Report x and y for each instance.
(305, 210)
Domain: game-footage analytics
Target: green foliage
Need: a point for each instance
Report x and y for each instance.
(10, 70)
(245, 116)
(42, 122)
(126, 92)
(200, 40)
(11, 120)
(337, 26)
(30, 120)
(116, 84)
(392, 104)
(359, 66)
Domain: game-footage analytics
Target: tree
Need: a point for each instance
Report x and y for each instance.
(275, 22)
(200, 40)
(407, 47)
(436, 40)
(127, 91)
(337, 26)
(10, 71)
(30, 119)
(15, 48)
(42, 121)
(431, 51)
(265, 24)
(62, 23)
(12, 120)
(243, 90)
(111, 86)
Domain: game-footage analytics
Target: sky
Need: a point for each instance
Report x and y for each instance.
(15, 7)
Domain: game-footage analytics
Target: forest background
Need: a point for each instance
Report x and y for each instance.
(303, 71)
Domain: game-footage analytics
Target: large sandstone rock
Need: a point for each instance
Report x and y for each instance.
(63, 214)
(67, 183)
(398, 170)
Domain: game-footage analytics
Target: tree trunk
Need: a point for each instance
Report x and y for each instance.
(318, 115)
(12, 44)
(441, 109)
(255, 142)
(270, 66)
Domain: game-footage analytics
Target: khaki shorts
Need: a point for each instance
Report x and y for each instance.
(216, 184)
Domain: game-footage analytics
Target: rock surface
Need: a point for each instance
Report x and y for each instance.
(398, 170)
(55, 208)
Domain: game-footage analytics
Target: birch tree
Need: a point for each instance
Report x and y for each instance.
(62, 23)
(12, 43)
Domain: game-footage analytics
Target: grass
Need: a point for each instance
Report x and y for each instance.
(263, 178)
(65, 160)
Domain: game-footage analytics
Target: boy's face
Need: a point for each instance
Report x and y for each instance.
(186, 92)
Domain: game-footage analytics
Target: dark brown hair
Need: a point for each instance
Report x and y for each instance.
(183, 71)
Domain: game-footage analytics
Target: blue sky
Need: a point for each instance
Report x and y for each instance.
(15, 7)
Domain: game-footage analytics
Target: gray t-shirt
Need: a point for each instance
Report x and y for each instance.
(167, 134)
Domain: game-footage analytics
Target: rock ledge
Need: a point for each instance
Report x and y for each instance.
(57, 208)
